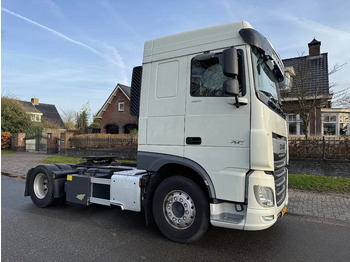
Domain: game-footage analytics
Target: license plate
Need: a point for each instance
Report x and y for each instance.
(284, 210)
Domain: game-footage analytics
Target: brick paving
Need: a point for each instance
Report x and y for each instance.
(327, 208)
(321, 207)
(19, 163)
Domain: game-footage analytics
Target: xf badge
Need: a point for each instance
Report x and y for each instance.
(237, 142)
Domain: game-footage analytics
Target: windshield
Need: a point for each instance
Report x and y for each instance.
(265, 80)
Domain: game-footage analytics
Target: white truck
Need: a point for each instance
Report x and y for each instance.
(212, 145)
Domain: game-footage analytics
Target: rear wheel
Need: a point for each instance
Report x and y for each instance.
(41, 187)
(181, 209)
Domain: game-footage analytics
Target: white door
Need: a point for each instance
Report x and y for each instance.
(216, 132)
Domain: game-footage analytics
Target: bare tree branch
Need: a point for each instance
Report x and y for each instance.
(336, 68)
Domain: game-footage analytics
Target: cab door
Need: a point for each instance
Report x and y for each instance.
(216, 131)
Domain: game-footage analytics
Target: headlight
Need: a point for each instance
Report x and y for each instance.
(264, 196)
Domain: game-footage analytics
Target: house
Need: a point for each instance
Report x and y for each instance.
(306, 92)
(115, 114)
(40, 112)
(335, 121)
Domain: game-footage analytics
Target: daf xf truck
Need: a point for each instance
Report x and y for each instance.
(212, 140)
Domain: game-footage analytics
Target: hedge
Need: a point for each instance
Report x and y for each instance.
(5, 140)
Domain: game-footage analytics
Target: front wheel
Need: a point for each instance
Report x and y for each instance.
(181, 209)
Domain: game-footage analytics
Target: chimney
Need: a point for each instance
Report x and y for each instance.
(314, 47)
(35, 101)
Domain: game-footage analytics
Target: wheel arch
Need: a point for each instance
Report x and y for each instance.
(164, 166)
(159, 163)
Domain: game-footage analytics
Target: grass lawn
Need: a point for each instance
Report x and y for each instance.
(319, 183)
(70, 160)
(6, 151)
(61, 160)
(302, 182)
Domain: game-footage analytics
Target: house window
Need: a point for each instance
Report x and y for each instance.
(344, 124)
(292, 124)
(35, 118)
(329, 124)
(295, 125)
(121, 106)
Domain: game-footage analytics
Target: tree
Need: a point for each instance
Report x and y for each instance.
(82, 118)
(341, 98)
(69, 118)
(13, 117)
(50, 124)
(310, 89)
(96, 123)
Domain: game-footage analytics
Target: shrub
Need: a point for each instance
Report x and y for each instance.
(122, 141)
(34, 130)
(5, 140)
(13, 117)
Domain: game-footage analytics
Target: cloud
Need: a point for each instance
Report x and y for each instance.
(117, 62)
(314, 26)
(54, 8)
(334, 40)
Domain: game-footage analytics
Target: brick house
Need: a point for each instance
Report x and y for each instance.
(115, 114)
(307, 81)
(40, 112)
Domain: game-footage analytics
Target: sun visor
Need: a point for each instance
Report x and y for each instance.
(254, 38)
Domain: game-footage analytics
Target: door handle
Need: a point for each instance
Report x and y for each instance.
(193, 140)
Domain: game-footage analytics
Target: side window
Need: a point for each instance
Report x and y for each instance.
(207, 77)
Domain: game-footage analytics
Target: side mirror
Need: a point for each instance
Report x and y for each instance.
(230, 62)
(231, 87)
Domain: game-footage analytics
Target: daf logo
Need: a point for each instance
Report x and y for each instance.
(282, 147)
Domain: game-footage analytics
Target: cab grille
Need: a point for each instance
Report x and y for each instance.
(280, 172)
(280, 175)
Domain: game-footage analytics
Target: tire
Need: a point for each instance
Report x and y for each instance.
(181, 210)
(41, 187)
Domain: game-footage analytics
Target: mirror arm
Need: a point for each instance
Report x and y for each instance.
(237, 102)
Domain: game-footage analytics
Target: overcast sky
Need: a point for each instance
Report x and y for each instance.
(69, 52)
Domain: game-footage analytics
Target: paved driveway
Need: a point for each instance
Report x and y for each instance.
(19, 163)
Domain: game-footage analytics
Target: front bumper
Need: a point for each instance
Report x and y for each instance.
(254, 216)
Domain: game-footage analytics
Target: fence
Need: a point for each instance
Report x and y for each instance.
(103, 143)
(321, 148)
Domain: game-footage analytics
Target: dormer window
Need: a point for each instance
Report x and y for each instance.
(35, 117)
(288, 79)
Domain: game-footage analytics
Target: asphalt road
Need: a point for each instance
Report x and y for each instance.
(98, 233)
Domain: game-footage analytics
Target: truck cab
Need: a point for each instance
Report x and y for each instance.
(190, 121)
(212, 143)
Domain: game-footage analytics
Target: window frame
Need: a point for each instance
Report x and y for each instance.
(121, 106)
(340, 119)
(298, 123)
(241, 76)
